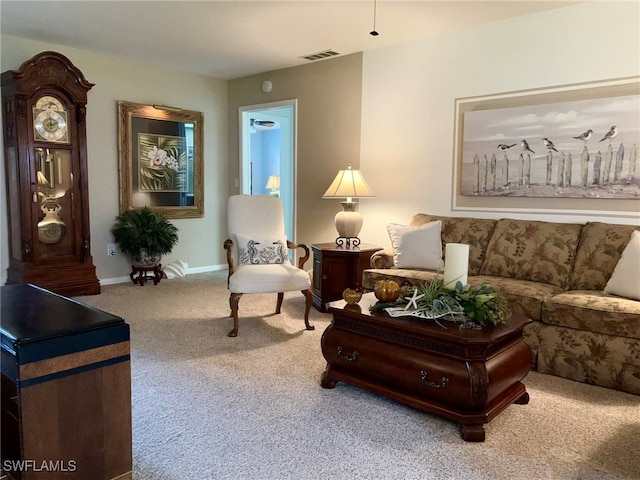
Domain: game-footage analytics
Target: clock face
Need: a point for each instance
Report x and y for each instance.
(48, 102)
(50, 120)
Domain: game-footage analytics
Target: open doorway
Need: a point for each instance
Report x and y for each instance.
(268, 155)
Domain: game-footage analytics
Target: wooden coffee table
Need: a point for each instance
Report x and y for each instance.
(467, 376)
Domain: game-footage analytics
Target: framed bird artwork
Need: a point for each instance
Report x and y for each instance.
(573, 141)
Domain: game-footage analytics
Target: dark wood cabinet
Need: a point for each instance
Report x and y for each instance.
(335, 269)
(45, 148)
(66, 388)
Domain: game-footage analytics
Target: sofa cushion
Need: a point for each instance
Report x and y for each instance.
(594, 311)
(601, 245)
(532, 250)
(523, 295)
(416, 246)
(625, 280)
(475, 232)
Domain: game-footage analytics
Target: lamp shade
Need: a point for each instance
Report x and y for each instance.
(273, 182)
(348, 184)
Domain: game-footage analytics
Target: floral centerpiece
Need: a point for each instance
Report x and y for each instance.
(478, 307)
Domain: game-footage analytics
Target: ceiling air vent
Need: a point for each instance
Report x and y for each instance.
(320, 55)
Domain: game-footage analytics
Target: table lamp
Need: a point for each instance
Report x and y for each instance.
(348, 184)
(273, 183)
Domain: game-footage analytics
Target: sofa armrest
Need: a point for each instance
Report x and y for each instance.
(381, 259)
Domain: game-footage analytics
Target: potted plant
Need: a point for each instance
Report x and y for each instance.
(144, 235)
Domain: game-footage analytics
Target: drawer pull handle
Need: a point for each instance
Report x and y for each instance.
(442, 384)
(348, 358)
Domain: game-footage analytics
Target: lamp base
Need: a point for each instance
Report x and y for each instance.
(347, 243)
(348, 223)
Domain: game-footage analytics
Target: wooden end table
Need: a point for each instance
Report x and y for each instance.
(467, 376)
(336, 268)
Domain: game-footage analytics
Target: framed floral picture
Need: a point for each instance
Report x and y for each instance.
(160, 150)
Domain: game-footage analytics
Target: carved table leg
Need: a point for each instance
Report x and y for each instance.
(472, 433)
(157, 274)
(327, 381)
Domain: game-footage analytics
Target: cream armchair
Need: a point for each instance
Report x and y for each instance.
(257, 254)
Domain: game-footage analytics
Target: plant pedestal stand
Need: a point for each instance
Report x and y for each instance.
(146, 273)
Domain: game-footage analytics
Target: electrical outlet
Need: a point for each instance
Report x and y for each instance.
(111, 249)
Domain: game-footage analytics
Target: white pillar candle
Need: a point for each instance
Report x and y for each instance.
(456, 264)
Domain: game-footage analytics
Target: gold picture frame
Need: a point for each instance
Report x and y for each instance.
(160, 152)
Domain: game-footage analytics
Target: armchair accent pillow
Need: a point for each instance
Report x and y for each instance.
(261, 251)
(625, 279)
(417, 247)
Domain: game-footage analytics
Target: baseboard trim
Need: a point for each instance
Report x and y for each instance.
(190, 271)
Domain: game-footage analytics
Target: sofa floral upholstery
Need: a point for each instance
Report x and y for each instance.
(601, 245)
(530, 250)
(555, 274)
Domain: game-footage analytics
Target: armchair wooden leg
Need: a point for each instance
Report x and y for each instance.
(307, 308)
(234, 299)
(279, 304)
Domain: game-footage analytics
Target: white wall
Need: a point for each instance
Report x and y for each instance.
(115, 79)
(409, 92)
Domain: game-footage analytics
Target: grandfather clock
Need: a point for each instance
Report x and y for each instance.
(45, 152)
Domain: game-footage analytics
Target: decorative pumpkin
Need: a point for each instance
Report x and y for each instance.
(386, 290)
(351, 295)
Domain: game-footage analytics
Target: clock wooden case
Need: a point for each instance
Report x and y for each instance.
(45, 148)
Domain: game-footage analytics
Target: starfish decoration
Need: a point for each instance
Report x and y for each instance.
(414, 300)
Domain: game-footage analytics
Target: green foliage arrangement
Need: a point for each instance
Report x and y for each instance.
(144, 229)
(482, 305)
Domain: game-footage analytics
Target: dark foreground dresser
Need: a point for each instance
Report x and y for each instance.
(66, 388)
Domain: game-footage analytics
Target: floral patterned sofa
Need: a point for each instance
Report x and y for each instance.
(555, 273)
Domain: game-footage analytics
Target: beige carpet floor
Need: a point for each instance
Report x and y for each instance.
(206, 406)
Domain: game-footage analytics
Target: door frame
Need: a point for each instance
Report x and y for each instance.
(244, 149)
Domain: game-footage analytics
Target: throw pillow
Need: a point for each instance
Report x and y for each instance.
(417, 247)
(625, 280)
(261, 251)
